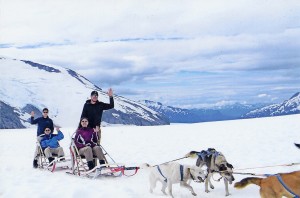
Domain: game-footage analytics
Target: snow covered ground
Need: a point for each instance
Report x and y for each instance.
(245, 143)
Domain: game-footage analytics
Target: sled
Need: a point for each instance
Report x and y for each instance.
(59, 163)
(79, 166)
(297, 145)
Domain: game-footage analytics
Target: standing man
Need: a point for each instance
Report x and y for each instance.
(93, 110)
(42, 122)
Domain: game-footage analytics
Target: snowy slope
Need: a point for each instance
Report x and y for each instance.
(64, 92)
(245, 143)
(290, 106)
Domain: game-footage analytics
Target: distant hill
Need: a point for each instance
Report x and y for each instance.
(27, 86)
(288, 107)
(218, 113)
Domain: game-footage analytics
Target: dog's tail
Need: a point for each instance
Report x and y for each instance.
(145, 166)
(192, 154)
(246, 181)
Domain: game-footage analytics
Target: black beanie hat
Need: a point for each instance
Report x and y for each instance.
(94, 93)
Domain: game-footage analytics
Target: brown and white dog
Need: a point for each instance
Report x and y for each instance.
(171, 173)
(273, 186)
(216, 163)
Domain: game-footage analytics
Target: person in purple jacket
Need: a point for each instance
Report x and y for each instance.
(86, 141)
(50, 143)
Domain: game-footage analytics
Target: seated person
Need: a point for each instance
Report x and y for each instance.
(86, 142)
(50, 145)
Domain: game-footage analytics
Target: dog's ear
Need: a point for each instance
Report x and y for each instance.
(222, 167)
(229, 165)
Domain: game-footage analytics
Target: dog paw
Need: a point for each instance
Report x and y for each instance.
(227, 194)
(212, 187)
(207, 191)
(194, 194)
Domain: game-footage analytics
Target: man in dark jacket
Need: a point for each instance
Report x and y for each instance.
(93, 109)
(42, 122)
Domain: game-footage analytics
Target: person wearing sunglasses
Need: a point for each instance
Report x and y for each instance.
(50, 143)
(41, 122)
(93, 110)
(86, 141)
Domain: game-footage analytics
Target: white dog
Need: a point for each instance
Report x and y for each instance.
(171, 173)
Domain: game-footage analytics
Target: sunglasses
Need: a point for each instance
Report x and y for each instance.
(45, 112)
(95, 95)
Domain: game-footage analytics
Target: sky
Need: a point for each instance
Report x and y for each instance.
(181, 53)
(136, 145)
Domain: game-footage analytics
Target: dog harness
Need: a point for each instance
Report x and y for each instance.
(285, 186)
(181, 173)
(162, 174)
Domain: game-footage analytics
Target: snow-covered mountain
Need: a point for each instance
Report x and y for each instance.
(290, 106)
(218, 113)
(27, 86)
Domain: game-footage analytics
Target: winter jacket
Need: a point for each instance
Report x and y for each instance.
(51, 140)
(86, 136)
(42, 124)
(93, 112)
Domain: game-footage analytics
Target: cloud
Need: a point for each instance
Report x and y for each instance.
(201, 51)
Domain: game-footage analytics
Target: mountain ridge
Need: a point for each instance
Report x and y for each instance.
(27, 86)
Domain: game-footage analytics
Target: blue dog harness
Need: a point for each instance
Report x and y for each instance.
(285, 186)
(181, 173)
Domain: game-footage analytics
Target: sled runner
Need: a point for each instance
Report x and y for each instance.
(297, 145)
(79, 166)
(59, 163)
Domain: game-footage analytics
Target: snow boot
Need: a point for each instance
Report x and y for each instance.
(101, 162)
(91, 165)
(50, 160)
(35, 163)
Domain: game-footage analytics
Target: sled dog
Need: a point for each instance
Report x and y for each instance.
(215, 162)
(171, 173)
(273, 186)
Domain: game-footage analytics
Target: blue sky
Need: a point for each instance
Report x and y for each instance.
(181, 53)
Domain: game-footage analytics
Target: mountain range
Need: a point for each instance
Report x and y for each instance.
(226, 112)
(287, 107)
(27, 86)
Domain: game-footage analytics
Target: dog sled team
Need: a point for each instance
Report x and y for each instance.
(86, 152)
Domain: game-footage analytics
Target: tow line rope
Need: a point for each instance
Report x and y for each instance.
(170, 161)
(263, 175)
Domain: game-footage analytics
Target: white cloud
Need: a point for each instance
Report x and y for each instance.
(235, 47)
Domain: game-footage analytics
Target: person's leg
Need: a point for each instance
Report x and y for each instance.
(98, 152)
(99, 134)
(58, 151)
(88, 154)
(48, 153)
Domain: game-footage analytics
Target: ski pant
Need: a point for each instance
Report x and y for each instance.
(88, 153)
(99, 134)
(56, 151)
